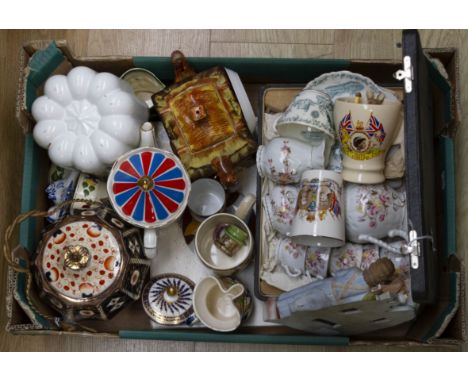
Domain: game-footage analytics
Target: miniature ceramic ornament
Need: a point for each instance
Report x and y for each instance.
(167, 299)
(203, 119)
(149, 188)
(283, 160)
(366, 133)
(90, 265)
(86, 120)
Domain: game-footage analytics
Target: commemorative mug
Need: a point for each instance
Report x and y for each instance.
(366, 133)
(319, 219)
(283, 160)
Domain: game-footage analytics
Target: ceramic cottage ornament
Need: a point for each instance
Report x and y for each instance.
(203, 118)
(90, 265)
(86, 120)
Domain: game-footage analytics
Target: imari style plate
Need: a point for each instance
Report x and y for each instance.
(167, 299)
(148, 187)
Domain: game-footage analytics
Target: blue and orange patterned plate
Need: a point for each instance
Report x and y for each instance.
(148, 187)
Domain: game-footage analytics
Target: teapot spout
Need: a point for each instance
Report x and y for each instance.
(147, 135)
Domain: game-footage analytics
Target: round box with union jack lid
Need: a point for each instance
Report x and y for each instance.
(148, 187)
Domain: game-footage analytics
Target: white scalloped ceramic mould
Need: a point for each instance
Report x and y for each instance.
(87, 120)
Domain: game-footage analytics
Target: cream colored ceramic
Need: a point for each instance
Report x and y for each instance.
(210, 255)
(366, 133)
(319, 220)
(221, 304)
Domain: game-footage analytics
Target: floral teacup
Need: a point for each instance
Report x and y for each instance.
(374, 210)
(283, 160)
(299, 260)
(280, 205)
(345, 257)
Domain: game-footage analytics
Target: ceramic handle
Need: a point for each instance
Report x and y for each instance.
(147, 137)
(225, 170)
(150, 243)
(245, 206)
(182, 69)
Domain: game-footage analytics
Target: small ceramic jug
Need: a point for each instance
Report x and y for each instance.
(221, 304)
(373, 209)
(280, 205)
(283, 160)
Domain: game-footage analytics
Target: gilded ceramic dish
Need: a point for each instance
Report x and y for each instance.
(167, 299)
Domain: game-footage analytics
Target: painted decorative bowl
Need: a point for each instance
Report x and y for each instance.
(148, 187)
(90, 265)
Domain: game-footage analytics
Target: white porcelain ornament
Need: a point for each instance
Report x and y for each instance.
(87, 120)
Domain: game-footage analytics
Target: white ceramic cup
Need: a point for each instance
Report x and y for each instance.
(283, 160)
(366, 133)
(213, 257)
(319, 219)
(207, 197)
(280, 205)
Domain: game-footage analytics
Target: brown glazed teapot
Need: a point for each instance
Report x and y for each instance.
(90, 265)
(204, 121)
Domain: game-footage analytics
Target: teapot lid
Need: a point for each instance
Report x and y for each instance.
(81, 260)
(167, 299)
(148, 187)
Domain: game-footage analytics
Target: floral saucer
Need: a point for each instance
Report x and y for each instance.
(347, 84)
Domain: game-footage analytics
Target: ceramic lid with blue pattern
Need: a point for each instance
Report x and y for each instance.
(148, 187)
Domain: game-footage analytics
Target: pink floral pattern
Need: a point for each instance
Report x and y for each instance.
(316, 262)
(373, 204)
(348, 256)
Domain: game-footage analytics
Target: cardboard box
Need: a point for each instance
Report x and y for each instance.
(442, 323)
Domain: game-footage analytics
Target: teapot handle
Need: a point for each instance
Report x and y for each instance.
(150, 243)
(182, 68)
(10, 255)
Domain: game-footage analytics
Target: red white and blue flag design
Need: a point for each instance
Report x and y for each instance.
(375, 128)
(161, 200)
(346, 123)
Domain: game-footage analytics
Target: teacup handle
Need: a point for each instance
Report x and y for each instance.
(246, 204)
(150, 242)
(289, 273)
